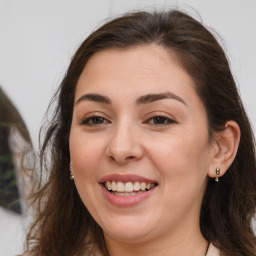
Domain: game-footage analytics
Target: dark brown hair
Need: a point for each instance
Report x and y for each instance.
(62, 222)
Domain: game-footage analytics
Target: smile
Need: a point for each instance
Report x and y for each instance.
(128, 188)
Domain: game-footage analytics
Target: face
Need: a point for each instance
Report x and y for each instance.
(139, 144)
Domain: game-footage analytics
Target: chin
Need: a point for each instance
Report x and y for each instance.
(129, 231)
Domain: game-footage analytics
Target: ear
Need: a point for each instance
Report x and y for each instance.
(225, 148)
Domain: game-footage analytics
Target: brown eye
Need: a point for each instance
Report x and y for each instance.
(94, 120)
(160, 120)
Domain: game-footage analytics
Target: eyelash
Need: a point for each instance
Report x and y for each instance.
(90, 120)
(158, 120)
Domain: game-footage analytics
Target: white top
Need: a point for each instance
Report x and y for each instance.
(213, 251)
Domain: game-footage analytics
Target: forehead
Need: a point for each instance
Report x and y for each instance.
(140, 70)
(148, 59)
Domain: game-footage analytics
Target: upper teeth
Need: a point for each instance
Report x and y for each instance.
(128, 186)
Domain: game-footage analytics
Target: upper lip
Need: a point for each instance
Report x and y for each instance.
(125, 178)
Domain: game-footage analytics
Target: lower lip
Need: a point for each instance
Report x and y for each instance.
(126, 201)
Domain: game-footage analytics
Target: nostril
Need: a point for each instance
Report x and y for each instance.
(123, 159)
(130, 157)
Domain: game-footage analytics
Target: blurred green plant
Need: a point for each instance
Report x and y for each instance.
(9, 117)
(9, 197)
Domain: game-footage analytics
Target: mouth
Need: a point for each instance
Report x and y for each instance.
(128, 188)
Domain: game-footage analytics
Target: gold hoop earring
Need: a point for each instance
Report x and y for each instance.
(217, 174)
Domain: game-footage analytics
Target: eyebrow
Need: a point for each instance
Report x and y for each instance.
(94, 97)
(145, 99)
(149, 98)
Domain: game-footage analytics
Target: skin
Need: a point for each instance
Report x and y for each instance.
(127, 139)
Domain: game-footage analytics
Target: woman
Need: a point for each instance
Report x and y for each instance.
(151, 130)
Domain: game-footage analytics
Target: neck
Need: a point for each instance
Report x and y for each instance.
(190, 243)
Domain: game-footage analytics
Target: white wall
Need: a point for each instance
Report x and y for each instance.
(38, 38)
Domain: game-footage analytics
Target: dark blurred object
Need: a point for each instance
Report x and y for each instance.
(9, 118)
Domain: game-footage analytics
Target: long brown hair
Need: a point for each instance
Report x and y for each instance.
(63, 226)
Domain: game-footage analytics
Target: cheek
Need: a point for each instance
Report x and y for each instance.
(183, 171)
(85, 153)
(180, 157)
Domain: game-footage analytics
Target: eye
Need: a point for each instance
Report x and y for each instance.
(94, 120)
(160, 120)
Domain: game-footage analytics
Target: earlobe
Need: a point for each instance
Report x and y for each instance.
(225, 149)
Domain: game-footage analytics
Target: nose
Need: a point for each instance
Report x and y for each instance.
(124, 145)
